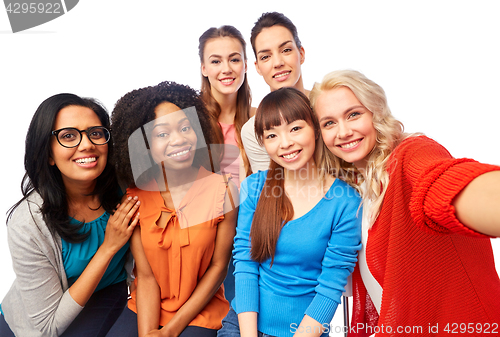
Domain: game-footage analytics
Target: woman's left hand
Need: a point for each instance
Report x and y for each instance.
(121, 224)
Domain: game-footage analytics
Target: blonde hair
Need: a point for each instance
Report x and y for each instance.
(390, 132)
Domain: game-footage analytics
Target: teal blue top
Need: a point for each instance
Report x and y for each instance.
(76, 256)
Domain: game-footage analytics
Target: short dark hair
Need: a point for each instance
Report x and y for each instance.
(137, 108)
(270, 19)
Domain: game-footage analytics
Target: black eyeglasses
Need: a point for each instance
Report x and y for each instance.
(72, 137)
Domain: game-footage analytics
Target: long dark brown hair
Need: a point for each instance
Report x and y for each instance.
(46, 180)
(244, 97)
(274, 208)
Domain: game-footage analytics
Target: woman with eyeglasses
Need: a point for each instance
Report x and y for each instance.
(68, 234)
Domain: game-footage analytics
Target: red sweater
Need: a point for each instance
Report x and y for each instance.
(435, 272)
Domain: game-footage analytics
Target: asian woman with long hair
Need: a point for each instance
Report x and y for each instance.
(298, 229)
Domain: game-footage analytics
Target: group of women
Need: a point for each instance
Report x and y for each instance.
(126, 228)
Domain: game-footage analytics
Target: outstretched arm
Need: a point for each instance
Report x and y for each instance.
(448, 195)
(477, 206)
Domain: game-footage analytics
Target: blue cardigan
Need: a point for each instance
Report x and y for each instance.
(314, 256)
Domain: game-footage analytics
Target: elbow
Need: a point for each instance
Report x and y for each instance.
(146, 279)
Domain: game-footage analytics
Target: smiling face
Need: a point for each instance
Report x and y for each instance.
(291, 145)
(224, 65)
(84, 163)
(279, 59)
(173, 140)
(346, 125)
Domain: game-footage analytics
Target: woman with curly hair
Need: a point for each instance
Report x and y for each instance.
(226, 93)
(183, 241)
(68, 234)
(428, 218)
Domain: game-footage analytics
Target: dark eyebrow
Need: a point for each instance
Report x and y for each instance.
(280, 46)
(344, 113)
(160, 124)
(284, 43)
(219, 56)
(168, 124)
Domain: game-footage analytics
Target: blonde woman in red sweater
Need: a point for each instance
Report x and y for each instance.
(427, 265)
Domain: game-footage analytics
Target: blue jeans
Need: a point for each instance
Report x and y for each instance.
(100, 313)
(231, 327)
(229, 282)
(4, 328)
(126, 326)
(96, 318)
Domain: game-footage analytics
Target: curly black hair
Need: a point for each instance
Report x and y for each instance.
(136, 109)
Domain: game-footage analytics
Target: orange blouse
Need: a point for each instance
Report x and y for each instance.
(180, 253)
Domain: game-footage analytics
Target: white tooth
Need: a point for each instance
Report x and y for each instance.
(281, 75)
(291, 155)
(348, 146)
(86, 160)
(179, 153)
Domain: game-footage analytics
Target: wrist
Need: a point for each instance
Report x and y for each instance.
(105, 252)
(167, 331)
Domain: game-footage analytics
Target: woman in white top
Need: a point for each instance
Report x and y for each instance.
(278, 59)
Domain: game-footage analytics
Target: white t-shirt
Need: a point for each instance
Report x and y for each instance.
(372, 286)
(256, 154)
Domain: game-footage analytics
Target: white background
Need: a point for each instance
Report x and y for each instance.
(437, 60)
